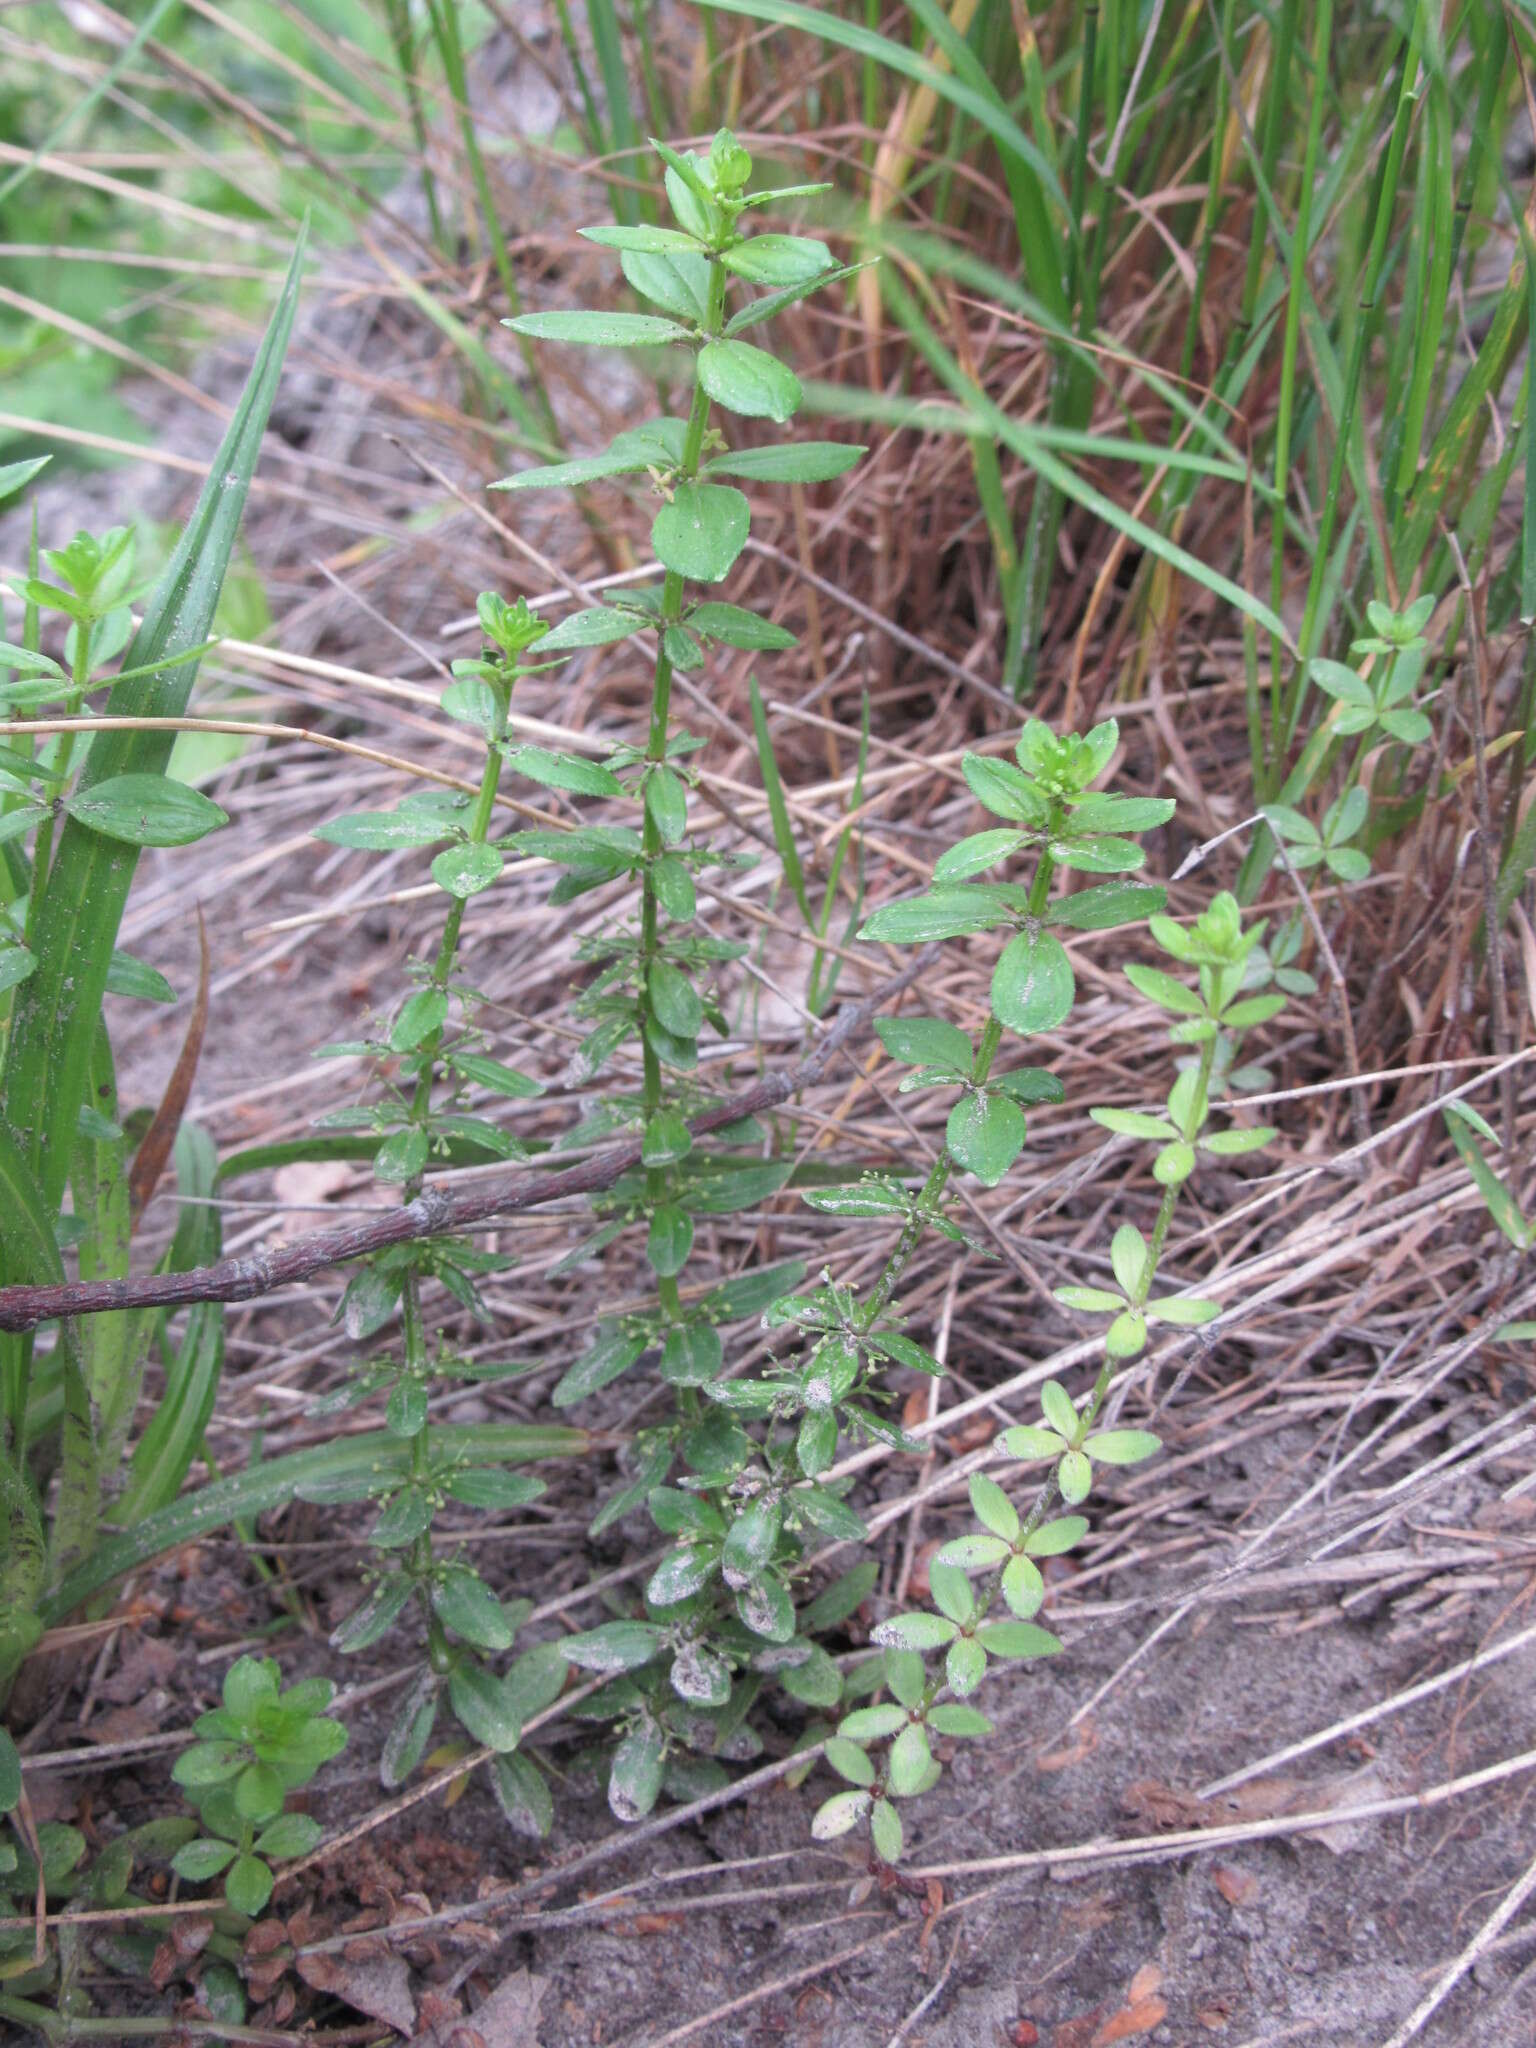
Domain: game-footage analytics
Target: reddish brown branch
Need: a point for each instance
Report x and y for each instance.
(434, 1213)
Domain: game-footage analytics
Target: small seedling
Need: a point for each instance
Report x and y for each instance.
(262, 1744)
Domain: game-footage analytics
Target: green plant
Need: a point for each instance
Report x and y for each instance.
(1466, 1125)
(719, 1611)
(71, 1407)
(721, 1615)
(651, 985)
(420, 1115)
(1373, 701)
(55, 1859)
(1228, 999)
(73, 1172)
(262, 1744)
(1383, 702)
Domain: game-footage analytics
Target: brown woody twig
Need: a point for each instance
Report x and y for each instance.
(434, 1212)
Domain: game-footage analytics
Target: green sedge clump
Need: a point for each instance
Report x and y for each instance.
(79, 1478)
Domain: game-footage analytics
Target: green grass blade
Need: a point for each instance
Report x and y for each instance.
(850, 836)
(1528, 525)
(30, 1253)
(983, 107)
(164, 1453)
(272, 1483)
(98, 91)
(48, 1058)
(1025, 442)
(496, 381)
(1040, 249)
(778, 810)
(624, 135)
(112, 1347)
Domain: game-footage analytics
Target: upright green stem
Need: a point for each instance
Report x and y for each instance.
(420, 1565)
(1215, 196)
(1032, 582)
(938, 1177)
(672, 595)
(445, 27)
(1386, 201)
(1300, 249)
(42, 853)
(420, 1560)
(399, 14)
(986, 1593)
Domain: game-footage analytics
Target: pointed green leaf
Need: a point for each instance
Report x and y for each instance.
(1022, 1587)
(248, 1885)
(1162, 989)
(915, 1632)
(748, 380)
(1006, 791)
(523, 1795)
(778, 259)
(479, 1698)
(682, 1573)
(993, 1507)
(651, 241)
(1025, 1441)
(1186, 1312)
(965, 1666)
(565, 771)
(463, 871)
(794, 462)
(145, 810)
(613, 1352)
(598, 330)
(1128, 1255)
(1074, 1475)
(885, 1831)
(1060, 1411)
(1109, 904)
(907, 1763)
(1122, 1446)
(1054, 1539)
(382, 831)
(738, 627)
(75, 926)
(985, 1134)
(835, 1816)
(1018, 1639)
(410, 1730)
(463, 1602)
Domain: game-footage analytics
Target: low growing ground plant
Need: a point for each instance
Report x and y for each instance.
(438, 1057)
(251, 1752)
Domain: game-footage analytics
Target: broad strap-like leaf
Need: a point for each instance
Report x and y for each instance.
(278, 1480)
(164, 1453)
(30, 1255)
(48, 1057)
